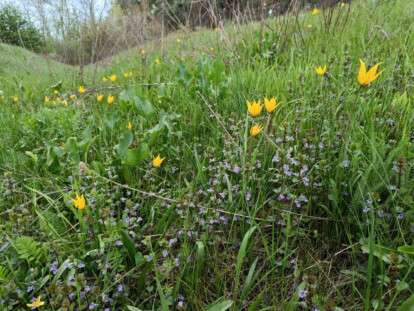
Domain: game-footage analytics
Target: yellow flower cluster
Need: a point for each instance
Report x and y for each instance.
(254, 108)
(110, 99)
(365, 77)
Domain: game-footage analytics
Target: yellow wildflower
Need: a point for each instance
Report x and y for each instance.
(36, 303)
(65, 103)
(15, 98)
(157, 161)
(321, 71)
(79, 202)
(316, 11)
(72, 97)
(157, 61)
(111, 99)
(130, 126)
(128, 74)
(56, 92)
(366, 77)
(255, 130)
(47, 99)
(270, 104)
(99, 98)
(82, 89)
(113, 78)
(254, 108)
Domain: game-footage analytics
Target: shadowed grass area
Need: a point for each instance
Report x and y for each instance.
(313, 211)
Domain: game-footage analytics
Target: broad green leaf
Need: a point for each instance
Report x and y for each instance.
(408, 305)
(139, 259)
(136, 155)
(243, 254)
(144, 107)
(124, 143)
(72, 149)
(220, 306)
(378, 251)
(406, 249)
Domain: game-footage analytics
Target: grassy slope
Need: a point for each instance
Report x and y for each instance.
(354, 144)
(22, 67)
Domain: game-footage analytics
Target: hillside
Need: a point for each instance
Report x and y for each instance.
(266, 166)
(18, 65)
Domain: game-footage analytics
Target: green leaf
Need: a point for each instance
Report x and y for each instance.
(144, 107)
(408, 305)
(27, 248)
(131, 308)
(134, 156)
(220, 306)
(124, 96)
(402, 285)
(139, 259)
(250, 279)
(243, 254)
(72, 148)
(129, 245)
(378, 251)
(406, 249)
(110, 121)
(32, 156)
(57, 86)
(4, 275)
(124, 143)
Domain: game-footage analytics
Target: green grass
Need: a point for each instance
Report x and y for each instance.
(314, 212)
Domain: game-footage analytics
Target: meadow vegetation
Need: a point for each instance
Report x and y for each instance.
(259, 167)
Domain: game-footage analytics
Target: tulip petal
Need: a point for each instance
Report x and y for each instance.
(362, 74)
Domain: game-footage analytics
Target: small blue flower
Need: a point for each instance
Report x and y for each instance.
(54, 267)
(120, 288)
(236, 170)
(365, 210)
(303, 293)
